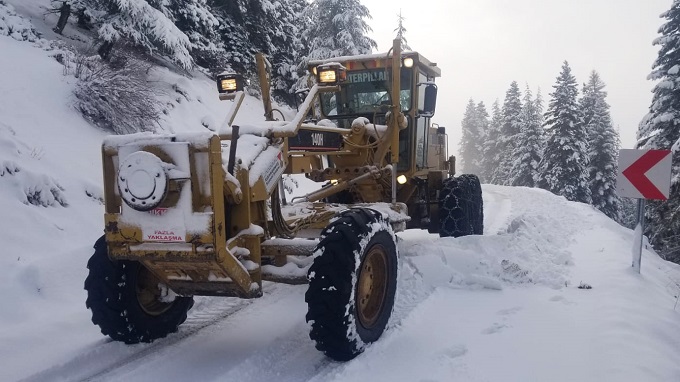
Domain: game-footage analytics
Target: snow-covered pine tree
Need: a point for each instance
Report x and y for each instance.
(529, 148)
(467, 133)
(512, 110)
(138, 23)
(335, 28)
(629, 213)
(401, 31)
(262, 24)
(660, 129)
(483, 128)
(490, 154)
(265, 31)
(564, 167)
(538, 103)
(604, 145)
(589, 96)
(470, 149)
(195, 18)
(234, 35)
(288, 47)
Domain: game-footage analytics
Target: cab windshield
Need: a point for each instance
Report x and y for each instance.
(366, 92)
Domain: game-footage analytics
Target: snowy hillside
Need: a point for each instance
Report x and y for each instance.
(511, 305)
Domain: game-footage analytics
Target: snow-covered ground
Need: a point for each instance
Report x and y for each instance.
(505, 306)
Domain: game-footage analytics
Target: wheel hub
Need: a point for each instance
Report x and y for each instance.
(372, 286)
(149, 293)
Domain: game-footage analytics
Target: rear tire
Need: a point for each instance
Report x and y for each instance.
(352, 283)
(124, 298)
(461, 211)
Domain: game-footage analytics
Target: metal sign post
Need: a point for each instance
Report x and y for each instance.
(643, 174)
(639, 236)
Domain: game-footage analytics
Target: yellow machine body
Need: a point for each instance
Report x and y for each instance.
(202, 211)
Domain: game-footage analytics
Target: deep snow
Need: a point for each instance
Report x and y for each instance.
(505, 306)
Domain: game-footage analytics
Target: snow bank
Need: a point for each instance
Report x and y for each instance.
(521, 250)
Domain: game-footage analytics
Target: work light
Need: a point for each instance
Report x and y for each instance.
(229, 83)
(330, 74)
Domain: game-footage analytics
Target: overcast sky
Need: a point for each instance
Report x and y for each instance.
(483, 45)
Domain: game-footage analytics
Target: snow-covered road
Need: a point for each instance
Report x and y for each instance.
(500, 307)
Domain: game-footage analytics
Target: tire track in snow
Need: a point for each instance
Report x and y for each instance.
(265, 342)
(94, 363)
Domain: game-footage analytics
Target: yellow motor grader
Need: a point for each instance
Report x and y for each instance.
(203, 213)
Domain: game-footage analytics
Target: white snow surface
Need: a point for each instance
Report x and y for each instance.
(504, 306)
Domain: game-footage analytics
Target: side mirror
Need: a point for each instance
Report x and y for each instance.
(430, 100)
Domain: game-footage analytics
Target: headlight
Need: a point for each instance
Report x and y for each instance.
(327, 76)
(330, 74)
(229, 83)
(401, 179)
(408, 62)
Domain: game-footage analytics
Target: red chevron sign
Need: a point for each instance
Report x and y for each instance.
(644, 174)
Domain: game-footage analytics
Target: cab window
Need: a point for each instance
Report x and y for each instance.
(366, 92)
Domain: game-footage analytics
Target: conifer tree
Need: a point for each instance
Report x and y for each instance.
(262, 25)
(538, 103)
(140, 24)
(660, 129)
(529, 149)
(196, 20)
(470, 148)
(490, 154)
(483, 127)
(288, 49)
(274, 28)
(334, 28)
(564, 167)
(510, 127)
(604, 145)
(401, 31)
(234, 35)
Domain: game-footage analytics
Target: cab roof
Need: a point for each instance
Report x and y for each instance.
(379, 60)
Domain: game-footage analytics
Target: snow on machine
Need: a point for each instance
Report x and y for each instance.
(203, 213)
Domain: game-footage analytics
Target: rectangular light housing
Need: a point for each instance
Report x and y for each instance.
(229, 83)
(327, 76)
(330, 74)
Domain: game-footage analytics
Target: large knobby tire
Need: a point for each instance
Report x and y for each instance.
(352, 283)
(461, 210)
(125, 300)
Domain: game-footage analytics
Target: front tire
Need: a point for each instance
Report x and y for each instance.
(127, 300)
(461, 211)
(352, 283)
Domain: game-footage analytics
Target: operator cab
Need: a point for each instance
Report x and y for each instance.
(364, 91)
